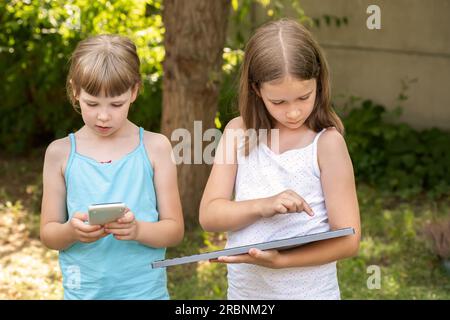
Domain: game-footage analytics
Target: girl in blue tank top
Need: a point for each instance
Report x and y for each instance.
(110, 159)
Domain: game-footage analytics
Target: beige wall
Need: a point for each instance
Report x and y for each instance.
(414, 42)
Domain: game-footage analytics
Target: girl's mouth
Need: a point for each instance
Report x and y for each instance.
(102, 129)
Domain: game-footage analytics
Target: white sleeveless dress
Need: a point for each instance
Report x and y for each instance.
(264, 174)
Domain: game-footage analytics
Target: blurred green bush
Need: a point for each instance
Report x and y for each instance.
(36, 41)
(393, 156)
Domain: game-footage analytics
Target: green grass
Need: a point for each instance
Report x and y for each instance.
(202, 280)
(392, 239)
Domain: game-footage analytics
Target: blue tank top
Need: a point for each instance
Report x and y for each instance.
(110, 268)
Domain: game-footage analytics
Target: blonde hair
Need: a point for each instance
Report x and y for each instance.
(103, 64)
(276, 49)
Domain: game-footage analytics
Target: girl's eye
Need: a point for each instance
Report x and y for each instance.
(92, 104)
(304, 98)
(117, 105)
(277, 103)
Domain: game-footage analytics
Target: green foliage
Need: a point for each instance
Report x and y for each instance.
(395, 157)
(247, 15)
(393, 240)
(36, 41)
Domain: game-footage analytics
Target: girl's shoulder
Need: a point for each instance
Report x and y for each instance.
(330, 138)
(59, 147)
(235, 123)
(155, 140)
(156, 144)
(58, 152)
(330, 145)
(234, 128)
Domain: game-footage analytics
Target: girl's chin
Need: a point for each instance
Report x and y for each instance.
(295, 125)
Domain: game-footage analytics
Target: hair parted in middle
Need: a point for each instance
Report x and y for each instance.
(277, 49)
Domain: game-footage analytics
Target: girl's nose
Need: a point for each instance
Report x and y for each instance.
(102, 116)
(293, 115)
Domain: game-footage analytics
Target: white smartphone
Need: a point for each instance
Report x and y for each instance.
(103, 213)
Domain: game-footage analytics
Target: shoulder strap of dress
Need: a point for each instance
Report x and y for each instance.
(73, 146)
(314, 158)
(141, 135)
(73, 149)
(316, 138)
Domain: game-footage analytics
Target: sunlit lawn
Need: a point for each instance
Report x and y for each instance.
(392, 240)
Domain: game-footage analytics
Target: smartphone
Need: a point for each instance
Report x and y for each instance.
(103, 213)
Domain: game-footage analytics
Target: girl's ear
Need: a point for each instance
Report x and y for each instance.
(256, 89)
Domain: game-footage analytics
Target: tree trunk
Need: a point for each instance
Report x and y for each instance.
(194, 39)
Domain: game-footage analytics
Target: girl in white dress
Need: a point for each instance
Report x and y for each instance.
(282, 169)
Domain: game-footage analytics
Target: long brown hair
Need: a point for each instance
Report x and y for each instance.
(106, 64)
(276, 49)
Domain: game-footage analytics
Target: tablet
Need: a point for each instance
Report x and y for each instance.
(281, 244)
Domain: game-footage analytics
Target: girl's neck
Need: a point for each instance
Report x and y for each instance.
(283, 130)
(110, 148)
(125, 131)
(290, 138)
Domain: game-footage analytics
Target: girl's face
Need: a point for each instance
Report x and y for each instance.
(105, 115)
(290, 101)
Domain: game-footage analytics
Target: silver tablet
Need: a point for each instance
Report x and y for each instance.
(281, 244)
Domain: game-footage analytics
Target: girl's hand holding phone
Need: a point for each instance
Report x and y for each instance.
(287, 201)
(84, 232)
(125, 228)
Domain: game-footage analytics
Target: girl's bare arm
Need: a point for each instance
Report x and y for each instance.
(218, 212)
(55, 233)
(169, 230)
